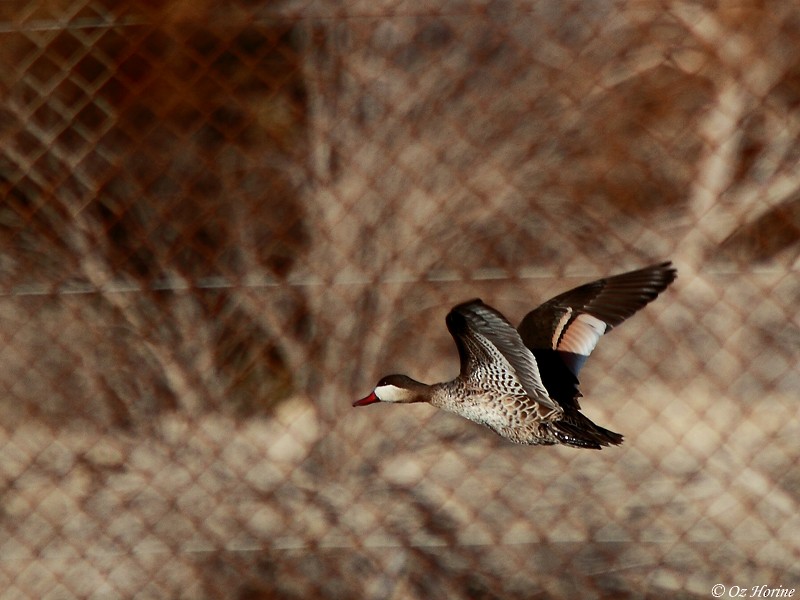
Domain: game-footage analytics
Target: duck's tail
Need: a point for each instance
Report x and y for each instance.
(578, 431)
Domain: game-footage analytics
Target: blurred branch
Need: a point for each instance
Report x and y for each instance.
(740, 91)
(100, 274)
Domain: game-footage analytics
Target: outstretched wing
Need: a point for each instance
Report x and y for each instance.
(485, 338)
(562, 332)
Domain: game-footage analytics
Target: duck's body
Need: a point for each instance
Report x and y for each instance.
(523, 383)
(511, 414)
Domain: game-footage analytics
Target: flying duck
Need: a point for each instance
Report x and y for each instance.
(523, 383)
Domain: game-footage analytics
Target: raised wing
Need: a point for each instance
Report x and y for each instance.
(563, 331)
(485, 338)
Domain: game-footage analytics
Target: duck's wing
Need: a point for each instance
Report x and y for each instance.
(487, 341)
(562, 332)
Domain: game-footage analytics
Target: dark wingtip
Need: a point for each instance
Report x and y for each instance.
(669, 272)
(455, 319)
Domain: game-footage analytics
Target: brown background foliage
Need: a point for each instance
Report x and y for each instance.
(222, 222)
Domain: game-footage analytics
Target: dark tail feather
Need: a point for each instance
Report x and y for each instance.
(578, 431)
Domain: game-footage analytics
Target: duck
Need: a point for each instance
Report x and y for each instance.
(522, 382)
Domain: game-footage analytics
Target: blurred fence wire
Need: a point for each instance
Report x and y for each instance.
(222, 222)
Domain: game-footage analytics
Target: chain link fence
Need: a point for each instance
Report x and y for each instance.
(223, 222)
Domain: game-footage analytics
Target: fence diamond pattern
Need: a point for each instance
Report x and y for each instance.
(222, 222)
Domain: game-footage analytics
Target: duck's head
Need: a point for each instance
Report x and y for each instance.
(396, 388)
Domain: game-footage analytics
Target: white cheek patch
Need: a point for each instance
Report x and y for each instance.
(582, 334)
(390, 393)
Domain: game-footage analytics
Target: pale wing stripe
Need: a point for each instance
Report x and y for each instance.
(582, 335)
(560, 327)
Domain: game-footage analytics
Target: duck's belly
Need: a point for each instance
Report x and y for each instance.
(516, 418)
(495, 412)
